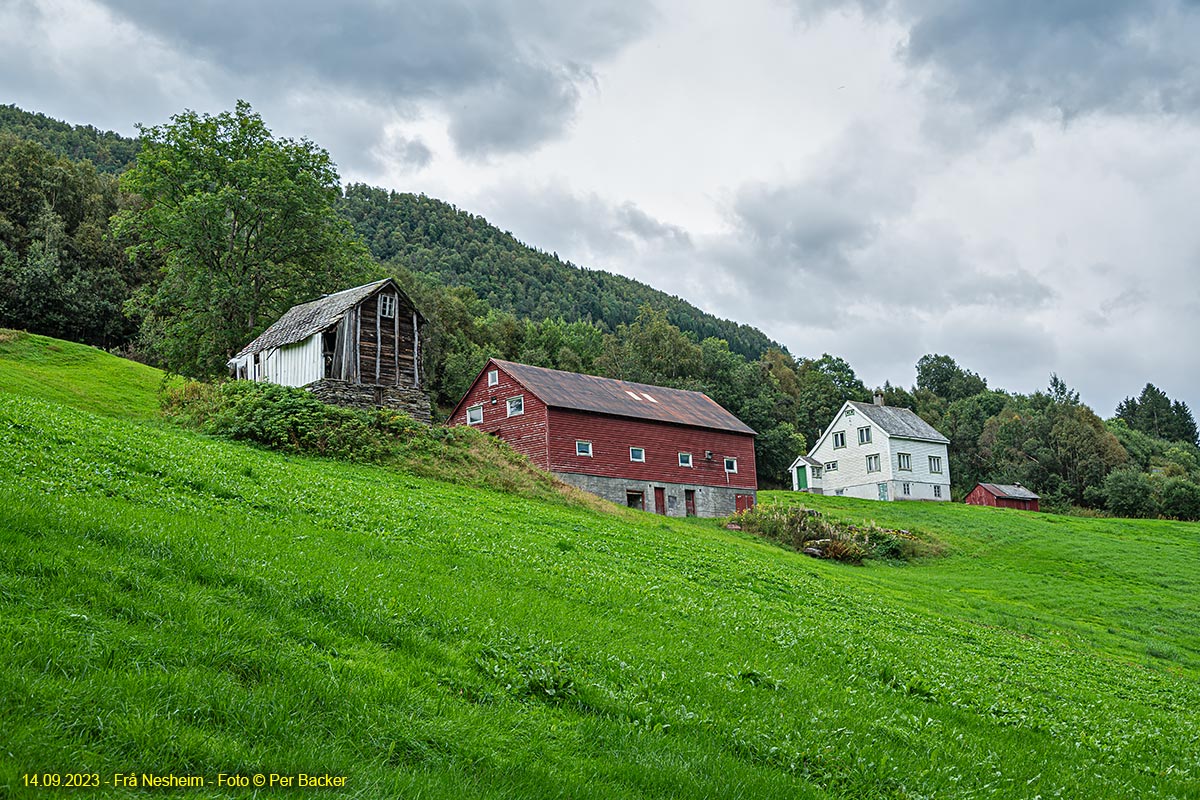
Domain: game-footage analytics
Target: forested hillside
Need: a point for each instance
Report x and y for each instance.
(431, 237)
(108, 151)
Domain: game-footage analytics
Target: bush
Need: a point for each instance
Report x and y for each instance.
(1179, 499)
(1128, 493)
(808, 530)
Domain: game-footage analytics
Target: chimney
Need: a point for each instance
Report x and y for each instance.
(878, 398)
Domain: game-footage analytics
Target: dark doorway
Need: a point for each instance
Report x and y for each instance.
(689, 502)
(660, 500)
(636, 500)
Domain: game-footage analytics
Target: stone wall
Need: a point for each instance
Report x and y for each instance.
(711, 501)
(413, 402)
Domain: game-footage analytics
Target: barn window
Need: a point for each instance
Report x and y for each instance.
(583, 448)
(904, 462)
(685, 459)
(935, 464)
(839, 439)
(474, 415)
(831, 466)
(387, 305)
(937, 490)
(637, 454)
(873, 463)
(516, 405)
(493, 377)
(731, 465)
(864, 435)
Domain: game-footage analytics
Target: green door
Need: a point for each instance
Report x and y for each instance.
(801, 478)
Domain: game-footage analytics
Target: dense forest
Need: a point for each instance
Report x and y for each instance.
(214, 227)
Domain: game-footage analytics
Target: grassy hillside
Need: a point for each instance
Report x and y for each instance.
(184, 605)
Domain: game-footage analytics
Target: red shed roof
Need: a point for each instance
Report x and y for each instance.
(622, 398)
(1010, 491)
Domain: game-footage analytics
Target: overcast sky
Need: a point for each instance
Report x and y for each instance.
(1014, 184)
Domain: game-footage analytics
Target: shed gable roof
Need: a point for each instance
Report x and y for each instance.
(1010, 491)
(579, 392)
(302, 321)
(900, 422)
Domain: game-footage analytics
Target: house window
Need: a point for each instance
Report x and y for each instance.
(474, 415)
(935, 464)
(864, 435)
(685, 459)
(516, 405)
(907, 489)
(387, 305)
(849, 412)
(905, 462)
(637, 454)
(831, 466)
(583, 448)
(873, 463)
(937, 491)
(493, 377)
(839, 492)
(731, 465)
(816, 471)
(839, 439)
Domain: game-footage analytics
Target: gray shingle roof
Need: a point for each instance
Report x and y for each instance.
(1011, 491)
(609, 396)
(302, 321)
(902, 422)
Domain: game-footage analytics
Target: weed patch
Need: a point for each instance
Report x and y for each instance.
(808, 531)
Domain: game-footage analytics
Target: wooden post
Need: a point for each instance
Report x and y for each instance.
(416, 353)
(396, 341)
(378, 339)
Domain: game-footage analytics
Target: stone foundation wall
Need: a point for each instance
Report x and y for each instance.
(711, 501)
(413, 402)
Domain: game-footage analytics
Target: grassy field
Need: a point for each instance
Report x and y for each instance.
(181, 605)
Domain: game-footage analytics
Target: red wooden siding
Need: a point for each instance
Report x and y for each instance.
(525, 433)
(980, 496)
(611, 438)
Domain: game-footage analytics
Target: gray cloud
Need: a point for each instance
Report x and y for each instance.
(1074, 58)
(507, 75)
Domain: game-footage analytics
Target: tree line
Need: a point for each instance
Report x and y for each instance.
(218, 227)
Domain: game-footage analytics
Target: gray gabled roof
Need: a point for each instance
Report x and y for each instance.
(302, 321)
(623, 398)
(901, 422)
(1010, 491)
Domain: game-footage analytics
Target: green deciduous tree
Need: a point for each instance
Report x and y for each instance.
(245, 225)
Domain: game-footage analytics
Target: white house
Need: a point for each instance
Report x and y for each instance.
(880, 452)
(806, 475)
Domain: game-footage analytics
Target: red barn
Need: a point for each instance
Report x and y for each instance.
(1003, 496)
(664, 450)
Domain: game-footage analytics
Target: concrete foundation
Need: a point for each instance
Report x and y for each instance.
(413, 402)
(710, 501)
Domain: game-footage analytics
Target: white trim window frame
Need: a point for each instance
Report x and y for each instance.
(731, 461)
(935, 465)
(907, 489)
(517, 403)
(493, 377)
(637, 454)
(387, 306)
(873, 463)
(864, 435)
(831, 466)
(839, 440)
(583, 448)
(937, 491)
(904, 462)
(479, 420)
(685, 460)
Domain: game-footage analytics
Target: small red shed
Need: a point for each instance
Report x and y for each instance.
(670, 451)
(1003, 495)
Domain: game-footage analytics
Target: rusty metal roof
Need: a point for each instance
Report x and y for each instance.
(623, 398)
(302, 321)
(1010, 491)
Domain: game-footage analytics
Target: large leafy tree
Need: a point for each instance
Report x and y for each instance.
(245, 225)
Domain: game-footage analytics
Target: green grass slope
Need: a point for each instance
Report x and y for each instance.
(181, 605)
(77, 375)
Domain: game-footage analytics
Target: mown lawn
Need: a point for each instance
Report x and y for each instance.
(178, 604)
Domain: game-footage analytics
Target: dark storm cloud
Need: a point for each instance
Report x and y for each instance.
(507, 75)
(1071, 56)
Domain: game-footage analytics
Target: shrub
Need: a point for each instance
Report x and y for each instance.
(1179, 498)
(806, 529)
(1128, 493)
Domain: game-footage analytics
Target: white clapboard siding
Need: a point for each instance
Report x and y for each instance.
(296, 364)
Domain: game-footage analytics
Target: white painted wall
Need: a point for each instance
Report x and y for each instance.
(296, 364)
(851, 477)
